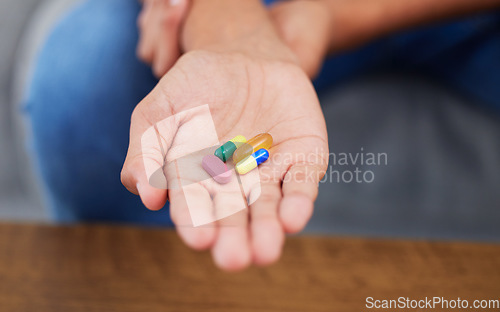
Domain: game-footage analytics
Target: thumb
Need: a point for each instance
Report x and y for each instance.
(142, 172)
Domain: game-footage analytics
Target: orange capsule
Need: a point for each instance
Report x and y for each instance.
(263, 140)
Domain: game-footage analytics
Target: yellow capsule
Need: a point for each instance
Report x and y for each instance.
(251, 162)
(263, 140)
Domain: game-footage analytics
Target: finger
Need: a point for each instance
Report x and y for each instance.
(168, 49)
(251, 185)
(267, 236)
(144, 158)
(193, 200)
(142, 171)
(231, 251)
(148, 32)
(300, 189)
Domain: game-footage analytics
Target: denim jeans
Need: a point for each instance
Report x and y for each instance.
(88, 80)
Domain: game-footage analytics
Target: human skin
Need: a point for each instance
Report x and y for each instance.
(278, 50)
(312, 29)
(159, 25)
(251, 80)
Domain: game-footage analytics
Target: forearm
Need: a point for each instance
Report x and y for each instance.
(354, 22)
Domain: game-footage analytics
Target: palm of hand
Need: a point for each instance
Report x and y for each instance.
(246, 96)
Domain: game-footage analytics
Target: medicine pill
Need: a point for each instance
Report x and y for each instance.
(261, 141)
(217, 169)
(227, 149)
(252, 161)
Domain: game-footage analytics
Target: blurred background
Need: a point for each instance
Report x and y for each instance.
(441, 179)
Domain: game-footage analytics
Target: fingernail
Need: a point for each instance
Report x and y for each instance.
(174, 2)
(137, 186)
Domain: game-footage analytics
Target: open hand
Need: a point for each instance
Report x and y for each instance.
(247, 95)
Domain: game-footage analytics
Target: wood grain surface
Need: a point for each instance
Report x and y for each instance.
(125, 269)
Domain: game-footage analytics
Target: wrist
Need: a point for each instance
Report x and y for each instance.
(213, 22)
(233, 26)
(262, 47)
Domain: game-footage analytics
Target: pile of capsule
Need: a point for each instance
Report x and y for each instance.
(246, 155)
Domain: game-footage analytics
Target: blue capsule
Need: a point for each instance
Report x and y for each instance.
(252, 161)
